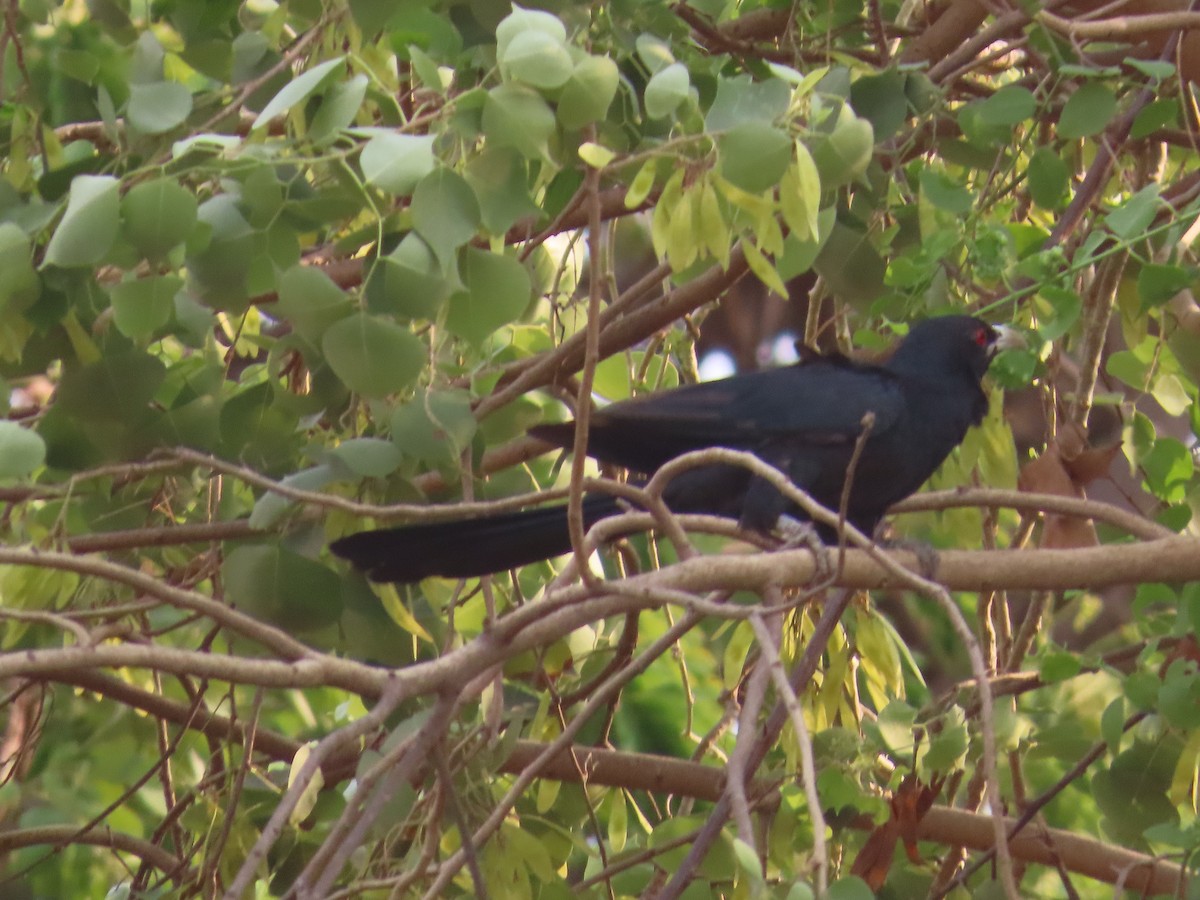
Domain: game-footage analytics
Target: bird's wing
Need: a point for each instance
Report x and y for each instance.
(819, 403)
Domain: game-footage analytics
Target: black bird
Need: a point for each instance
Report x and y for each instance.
(804, 419)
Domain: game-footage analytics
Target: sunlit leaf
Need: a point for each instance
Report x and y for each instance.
(397, 162)
(666, 90)
(89, 225)
(298, 90)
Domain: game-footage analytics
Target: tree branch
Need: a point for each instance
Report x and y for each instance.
(942, 825)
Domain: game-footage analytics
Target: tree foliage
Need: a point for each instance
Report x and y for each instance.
(273, 272)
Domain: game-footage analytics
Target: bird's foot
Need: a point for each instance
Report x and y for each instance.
(926, 553)
(794, 534)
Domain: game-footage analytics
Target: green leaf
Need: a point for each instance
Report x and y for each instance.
(1153, 116)
(20, 285)
(882, 101)
(1009, 106)
(521, 21)
(259, 430)
(845, 153)
(158, 107)
(1047, 178)
(397, 162)
(588, 93)
(21, 450)
(78, 64)
(310, 300)
(408, 281)
(1125, 365)
(618, 821)
(282, 588)
(754, 156)
(596, 155)
(310, 792)
(500, 180)
(427, 70)
(1141, 688)
(1064, 307)
(715, 232)
(298, 90)
(1087, 111)
(851, 887)
(1133, 217)
(666, 89)
(895, 726)
(516, 116)
(666, 838)
(261, 197)
(851, 265)
(144, 305)
(157, 216)
(1112, 724)
(1171, 395)
(271, 506)
(1172, 834)
(435, 426)
(89, 226)
(219, 271)
(1157, 69)
(839, 789)
(877, 650)
(762, 268)
(1179, 697)
(1056, 666)
(369, 457)
(497, 291)
(338, 110)
(800, 195)
(983, 140)
(536, 58)
(445, 212)
(944, 193)
(119, 386)
(740, 100)
(615, 375)
(1157, 283)
(749, 868)
(372, 356)
(947, 745)
(372, 15)
(642, 184)
(1168, 469)
(798, 256)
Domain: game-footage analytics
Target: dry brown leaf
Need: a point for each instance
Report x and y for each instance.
(1048, 475)
(1065, 467)
(909, 805)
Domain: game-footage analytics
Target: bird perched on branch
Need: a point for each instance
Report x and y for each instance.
(804, 419)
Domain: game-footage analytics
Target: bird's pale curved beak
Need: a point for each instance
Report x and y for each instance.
(1007, 339)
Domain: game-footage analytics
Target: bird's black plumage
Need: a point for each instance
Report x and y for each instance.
(804, 419)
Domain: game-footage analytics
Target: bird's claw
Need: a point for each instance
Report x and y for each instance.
(794, 533)
(926, 554)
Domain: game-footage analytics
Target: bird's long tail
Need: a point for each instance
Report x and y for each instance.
(467, 547)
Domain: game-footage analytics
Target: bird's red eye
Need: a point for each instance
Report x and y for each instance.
(981, 337)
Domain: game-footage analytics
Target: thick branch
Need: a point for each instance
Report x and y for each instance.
(319, 671)
(942, 825)
(62, 835)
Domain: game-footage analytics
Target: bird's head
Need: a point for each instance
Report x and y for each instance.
(953, 345)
